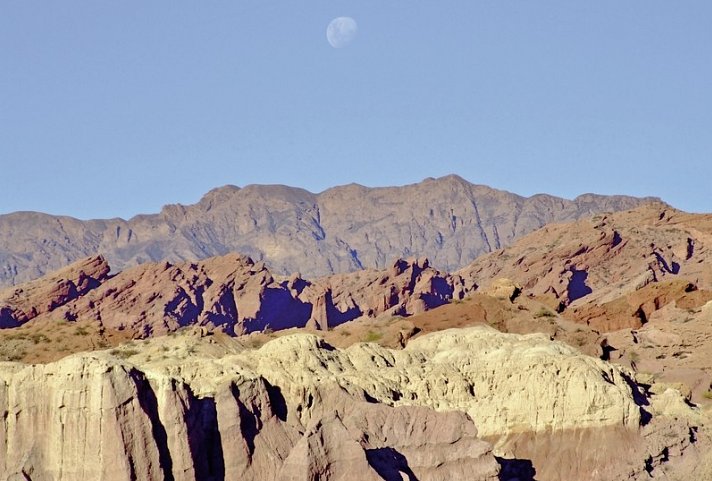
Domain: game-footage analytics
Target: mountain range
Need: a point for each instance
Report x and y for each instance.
(581, 349)
(342, 229)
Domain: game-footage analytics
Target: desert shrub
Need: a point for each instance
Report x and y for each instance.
(16, 356)
(81, 331)
(544, 312)
(707, 395)
(124, 354)
(37, 338)
(373, 336)
(17, 336)
(256, 343)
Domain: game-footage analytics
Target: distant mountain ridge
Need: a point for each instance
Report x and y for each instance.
(449, 220)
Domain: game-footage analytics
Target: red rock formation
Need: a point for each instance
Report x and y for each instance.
(596, 270)
(230, 293)
(23, 303)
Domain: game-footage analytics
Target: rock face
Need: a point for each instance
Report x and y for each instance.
(230, 293)
(611, 271)
(188, 407)
(341, 229)
(19, 305)
(95, 419)
(608, 272)
(673, 347)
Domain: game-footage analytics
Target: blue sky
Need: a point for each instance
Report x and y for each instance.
(116, 108)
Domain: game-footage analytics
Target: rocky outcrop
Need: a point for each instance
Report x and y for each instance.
(610, 271)
(189, 407)
(503, 289)
(635, 308)
(342, 229)
(230, 293)
(674, 348)
(95, 418)
(23, 303)
(506, 383)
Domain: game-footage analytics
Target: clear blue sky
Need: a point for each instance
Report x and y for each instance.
(115, 108)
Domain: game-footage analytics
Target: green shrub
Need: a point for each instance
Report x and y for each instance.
(373, 336)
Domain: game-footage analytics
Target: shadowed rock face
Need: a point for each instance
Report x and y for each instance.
(341, 229)
(230, 293)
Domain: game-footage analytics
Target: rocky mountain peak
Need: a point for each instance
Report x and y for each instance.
(342, 229)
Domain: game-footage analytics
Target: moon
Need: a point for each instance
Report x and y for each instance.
(341, 31)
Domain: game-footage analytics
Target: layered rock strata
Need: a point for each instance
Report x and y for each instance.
(610, 271)
(189, 407)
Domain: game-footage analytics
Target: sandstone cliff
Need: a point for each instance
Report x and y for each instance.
(341, 229)
(187, 407)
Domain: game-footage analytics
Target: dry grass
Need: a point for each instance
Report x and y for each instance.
(47, 341)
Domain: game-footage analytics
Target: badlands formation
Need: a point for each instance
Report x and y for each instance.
(578, 352)
(461, 404)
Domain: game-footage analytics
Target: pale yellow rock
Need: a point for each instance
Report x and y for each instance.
(503, 288)
(505, 382)
(206, 407)
(83, 418)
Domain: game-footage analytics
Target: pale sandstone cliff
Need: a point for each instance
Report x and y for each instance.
(184, 407)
